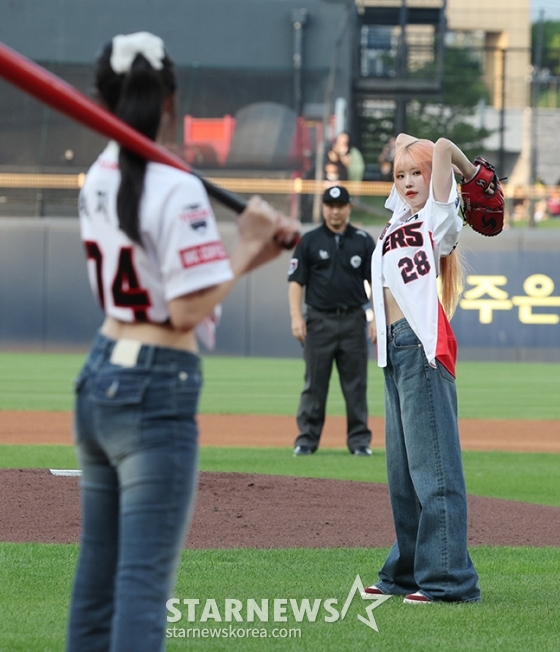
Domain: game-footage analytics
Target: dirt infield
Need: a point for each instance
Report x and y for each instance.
(237, 510)
(254, 430)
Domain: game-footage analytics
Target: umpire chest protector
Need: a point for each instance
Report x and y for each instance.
(332, 267)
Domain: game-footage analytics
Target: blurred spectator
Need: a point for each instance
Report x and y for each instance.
(520, 209)
(333, 173)
(386, 159)
(541, 212)
(553, 202)
(345, 154)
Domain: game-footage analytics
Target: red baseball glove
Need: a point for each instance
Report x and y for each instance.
(483, 205)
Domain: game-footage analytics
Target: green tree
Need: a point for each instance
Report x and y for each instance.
(462, 89)
(463, 85)
(548, 49)
(444, 115)
(550, 45)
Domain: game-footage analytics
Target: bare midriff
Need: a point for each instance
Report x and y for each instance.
(154, 334)
(392, 311)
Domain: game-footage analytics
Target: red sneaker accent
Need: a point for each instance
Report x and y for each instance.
(416, 598)
(373, 590)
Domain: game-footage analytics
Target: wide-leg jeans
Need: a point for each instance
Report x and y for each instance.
(425, 476)
(136, 438)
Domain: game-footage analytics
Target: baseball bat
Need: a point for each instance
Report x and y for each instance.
(50, 89)
(58, 94)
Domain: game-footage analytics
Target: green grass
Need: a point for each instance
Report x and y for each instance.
(233, 385)
(35, 580)
(519, 611)
(37, 457)
(486, 390)
(529, 477)
(508, 390)
(37, 381)
(496, 624)
(521, 601)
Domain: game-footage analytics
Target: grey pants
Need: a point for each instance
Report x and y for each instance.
(341, 339)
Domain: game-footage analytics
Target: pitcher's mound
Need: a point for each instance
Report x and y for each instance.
(240, 510)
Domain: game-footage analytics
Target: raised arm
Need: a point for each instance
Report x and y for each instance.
(448, 156)
(403, 140)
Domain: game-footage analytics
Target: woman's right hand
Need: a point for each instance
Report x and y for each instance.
(264, 233)
(259, 222)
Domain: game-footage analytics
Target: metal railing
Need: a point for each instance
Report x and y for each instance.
(252, 185)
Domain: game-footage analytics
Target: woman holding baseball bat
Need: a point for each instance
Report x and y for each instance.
(417, 350)
(158, 268)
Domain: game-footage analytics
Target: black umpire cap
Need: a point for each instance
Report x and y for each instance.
(336, 194)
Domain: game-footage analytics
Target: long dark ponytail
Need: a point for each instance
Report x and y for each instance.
(137, 98)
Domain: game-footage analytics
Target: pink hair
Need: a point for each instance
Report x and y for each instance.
(421, 152)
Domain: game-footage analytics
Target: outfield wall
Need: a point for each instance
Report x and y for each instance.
(510, 309)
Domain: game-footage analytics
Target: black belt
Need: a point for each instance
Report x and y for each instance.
(339, 312)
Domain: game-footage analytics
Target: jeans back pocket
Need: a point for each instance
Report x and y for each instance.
(117, 412)
(80, 380)
(119, 390)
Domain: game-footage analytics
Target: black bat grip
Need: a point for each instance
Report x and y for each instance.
(236, 203)
(229, 199)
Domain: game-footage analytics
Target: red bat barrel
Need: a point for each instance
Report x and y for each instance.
(50, 89)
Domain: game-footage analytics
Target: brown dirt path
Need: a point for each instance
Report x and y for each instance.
(539, 436)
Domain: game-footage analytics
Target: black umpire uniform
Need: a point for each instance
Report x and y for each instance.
(332, 266)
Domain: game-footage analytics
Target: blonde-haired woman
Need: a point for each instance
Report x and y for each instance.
(416, 348)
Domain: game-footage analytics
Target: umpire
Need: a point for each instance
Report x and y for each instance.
(332, 262)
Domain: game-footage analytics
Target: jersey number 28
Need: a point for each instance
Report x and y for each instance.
(412, 267)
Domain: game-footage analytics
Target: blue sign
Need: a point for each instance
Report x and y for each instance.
(511, 299)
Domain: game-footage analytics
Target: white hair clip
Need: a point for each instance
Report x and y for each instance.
(127, 46)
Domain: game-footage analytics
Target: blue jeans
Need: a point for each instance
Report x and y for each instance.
(425, 474)
(136, 438)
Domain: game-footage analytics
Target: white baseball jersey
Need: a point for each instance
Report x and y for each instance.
(406, 260)
(182, 249)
